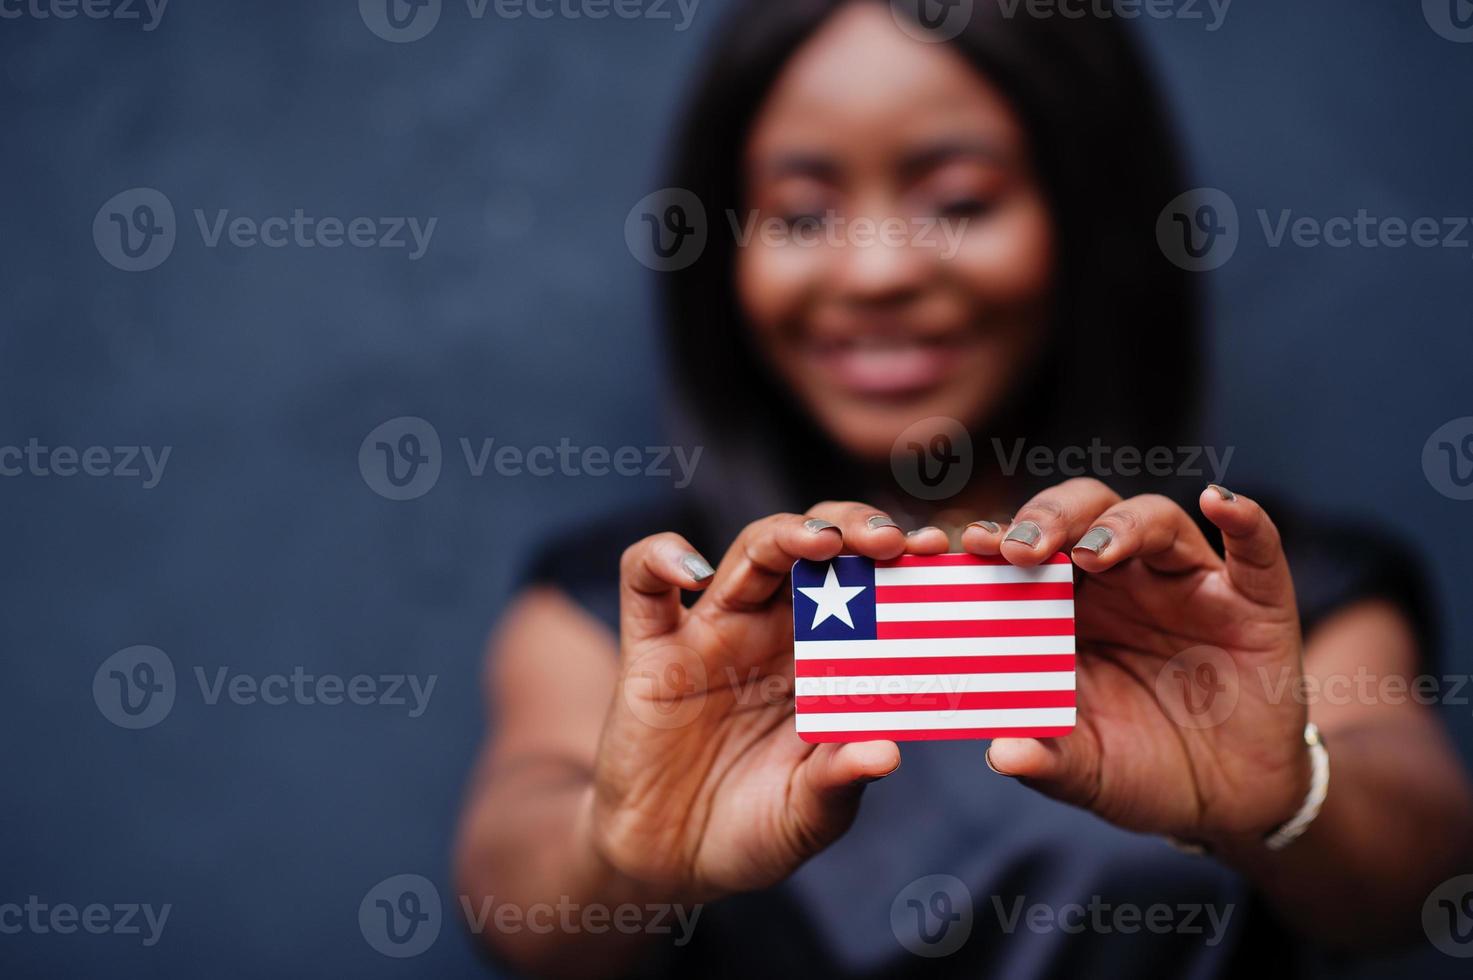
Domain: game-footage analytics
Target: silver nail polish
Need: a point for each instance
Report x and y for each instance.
(1025, 532)
(1095, 539)
(879, 521)
(697, 567)
(1223, 492)
(990, 527)
(816, 524)
(920, 530)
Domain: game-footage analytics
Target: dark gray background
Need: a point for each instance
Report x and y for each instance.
(527, 321)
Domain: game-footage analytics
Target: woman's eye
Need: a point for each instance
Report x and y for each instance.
(807, 222)
(964, 207)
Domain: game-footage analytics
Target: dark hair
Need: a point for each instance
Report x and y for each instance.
(1123, 364)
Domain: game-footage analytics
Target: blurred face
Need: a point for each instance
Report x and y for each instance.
(899, 255)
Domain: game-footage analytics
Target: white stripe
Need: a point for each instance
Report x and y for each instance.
(948, 646)
(911, 721)
(973, 574)
(927, 612)
(1048, 680)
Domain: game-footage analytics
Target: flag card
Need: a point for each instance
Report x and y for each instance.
(932, 647)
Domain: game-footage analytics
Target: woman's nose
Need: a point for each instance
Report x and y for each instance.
(878, 262)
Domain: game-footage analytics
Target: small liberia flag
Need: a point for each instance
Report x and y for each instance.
(932, 647)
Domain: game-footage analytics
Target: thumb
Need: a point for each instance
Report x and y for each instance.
(1066, 769)
(829, 783)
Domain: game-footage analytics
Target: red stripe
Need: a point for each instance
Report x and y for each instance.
(1004, 591)
(935, 701)
(974, 627)
(900, 666)
(935, 734)
(933, 561)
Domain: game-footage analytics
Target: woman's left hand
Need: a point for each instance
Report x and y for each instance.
(1188, 664)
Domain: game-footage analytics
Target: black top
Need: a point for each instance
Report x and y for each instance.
(1052, 890)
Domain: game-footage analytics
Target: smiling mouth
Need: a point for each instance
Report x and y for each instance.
(889, 367)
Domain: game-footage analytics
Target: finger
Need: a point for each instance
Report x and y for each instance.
(759, 560)
(1150, 527)
(867, 530)
(825, 790)
(652, 572)
(1255, 554)
(1066, 769)
(1055, 518)
(926, 540)
(983, 538)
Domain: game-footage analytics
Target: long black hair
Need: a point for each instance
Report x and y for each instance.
(1122, 364)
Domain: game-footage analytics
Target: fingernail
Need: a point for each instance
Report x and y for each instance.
(697, 567)
(1223, 492)
(815, 525)
(988, 526)
(1025, 532)
(863, 780)
(921, 530)
(987, 757)
(879, 521)
(1095, 540)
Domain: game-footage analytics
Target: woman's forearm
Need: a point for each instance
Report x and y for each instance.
(535, 889)
(1398, 820)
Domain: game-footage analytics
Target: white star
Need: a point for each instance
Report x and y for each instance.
(833, 599)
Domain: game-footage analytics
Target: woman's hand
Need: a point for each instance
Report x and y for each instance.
(1187, 665)
(701, 786)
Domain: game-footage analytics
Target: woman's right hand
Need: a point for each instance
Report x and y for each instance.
(701, 785)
